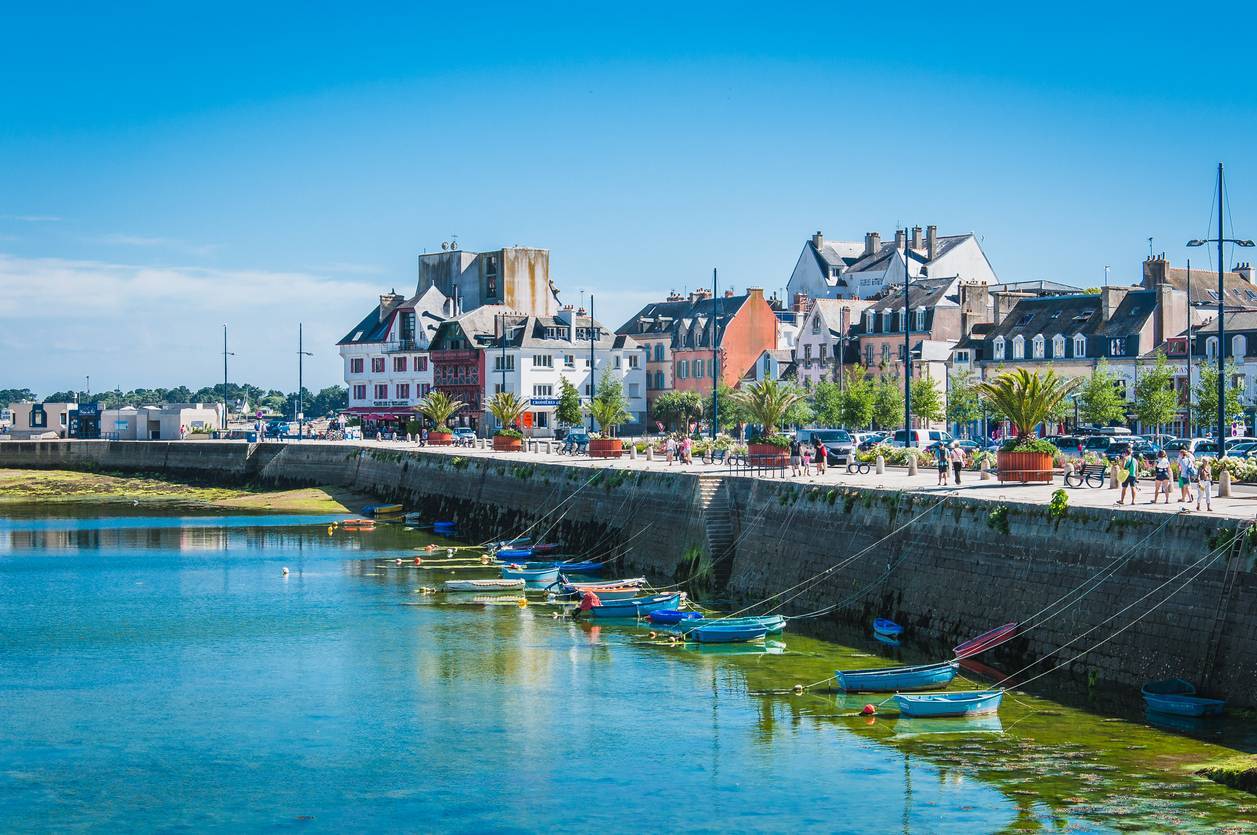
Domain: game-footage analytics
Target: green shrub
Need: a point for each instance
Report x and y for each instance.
(1030, 445)
(1059, 505)
(998, 520)
(507, 432)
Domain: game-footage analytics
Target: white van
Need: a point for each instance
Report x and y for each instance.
(921, 438)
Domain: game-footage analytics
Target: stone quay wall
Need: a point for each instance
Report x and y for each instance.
(945, 568)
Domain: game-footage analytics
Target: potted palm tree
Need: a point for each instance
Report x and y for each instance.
(1026, 399)
(439, 407)
(767, 404)
(507, 408)
(610, 409)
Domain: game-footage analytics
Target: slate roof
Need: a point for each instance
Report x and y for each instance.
(975, 337)
(1050, 315)
(922, 292)
(1239, 293)
(1239, 321)
(430, 307)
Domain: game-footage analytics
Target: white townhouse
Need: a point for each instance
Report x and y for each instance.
(847, 269)
(387, 367)
(537, 352)
(825, 338)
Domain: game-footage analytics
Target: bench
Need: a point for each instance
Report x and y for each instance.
(1093, 475)
(718, 456)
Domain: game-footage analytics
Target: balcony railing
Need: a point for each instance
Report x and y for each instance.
(395, 346)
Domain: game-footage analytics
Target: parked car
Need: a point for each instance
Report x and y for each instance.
(838, 443)
(464, 436)
(864, 441)
(1098, 444)
(966, 444)
(1238, 439)
(1247, 449)
(921, 438)
(1067, 444)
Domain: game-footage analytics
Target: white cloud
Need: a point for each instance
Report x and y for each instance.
(149, 241)
(144, 325)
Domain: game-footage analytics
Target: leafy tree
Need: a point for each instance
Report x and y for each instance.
(827, 403)
(274, 401)
(858, 399)
(964, 404)
(676, 407)
(11, 396)
(1027, 398)
(1098, 400)
(887, 401)
(1156, 401)
(769, 404)
(731, 411)
(62, 397)
(609, 406)
(927, 401)
(329, 400)
(1206, 408)
(568, 412)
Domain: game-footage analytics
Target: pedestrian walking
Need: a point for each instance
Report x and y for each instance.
(822, 457)
(1204, 484)
(795, 457)
(1130, 476)
(941, 458)
(687, 449)
(806, 452)
(958, 460)
(1186, 472)
(1161, 469)
(423, 436)
(670, 449)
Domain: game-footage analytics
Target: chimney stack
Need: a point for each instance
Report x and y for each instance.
(872, 242)
(389, 302)
(801, 303)
(818, 240)
(931, 241)
(901, 238)
(916, 237)
(1111, 299)
(1245, 271)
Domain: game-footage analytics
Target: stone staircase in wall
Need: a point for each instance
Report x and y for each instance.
(718, 522)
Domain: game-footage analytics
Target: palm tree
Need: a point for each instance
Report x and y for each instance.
(507, 408)
(608, 406)
(439, 407)
(767, 403)
(1026, 398)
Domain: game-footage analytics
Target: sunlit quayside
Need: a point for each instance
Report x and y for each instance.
(165, 672)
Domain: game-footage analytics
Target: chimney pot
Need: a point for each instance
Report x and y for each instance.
(872, 242)
(916, 237)
(818, 240)
(931, 241)
(901, 238)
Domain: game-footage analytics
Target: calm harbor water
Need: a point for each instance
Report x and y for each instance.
(161, 673)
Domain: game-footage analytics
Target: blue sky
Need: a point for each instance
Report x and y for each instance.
(164, 170)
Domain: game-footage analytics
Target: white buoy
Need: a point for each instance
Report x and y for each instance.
(285, 571)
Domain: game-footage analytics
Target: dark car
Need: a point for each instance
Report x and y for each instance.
(839, 445)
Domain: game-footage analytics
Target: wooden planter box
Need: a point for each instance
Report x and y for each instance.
(605, 447)
(440, 438)
(505, 443)
(767, 455)
(1024, 466)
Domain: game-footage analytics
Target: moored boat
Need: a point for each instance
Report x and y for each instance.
(719, 632)
(887, 628)
(568, 567)
(606, 584)
(773, 623)
(485, 585)
(1178, 697)
(987, 640)
(358, 524)
(636, 607)
(957, 703)
(382, 509)
(510, 554)
(669, 617)
(892, 679)
(542, 548)
(532, 575)
(608, 593)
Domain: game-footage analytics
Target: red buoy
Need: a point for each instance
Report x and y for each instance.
(868, 710)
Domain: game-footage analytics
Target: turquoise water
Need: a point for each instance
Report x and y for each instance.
(161, 674)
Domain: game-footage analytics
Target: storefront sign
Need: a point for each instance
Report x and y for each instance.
(544, 401)
(390, 403)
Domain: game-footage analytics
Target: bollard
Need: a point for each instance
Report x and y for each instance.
(984, 471)
(650, 452)
(912, 463)
(548, 447)
(879, 466)
(1224, 483)
(1068, 469)
(632, 451)
(1114, 469)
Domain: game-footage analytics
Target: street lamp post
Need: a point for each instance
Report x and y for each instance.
(1220, 240)
(1188, 433)
(715, 373)
(908, 439)
(226, 354)
(301, 406)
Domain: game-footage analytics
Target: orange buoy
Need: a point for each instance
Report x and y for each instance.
(430, 548)
(418, 561)
(868, 710)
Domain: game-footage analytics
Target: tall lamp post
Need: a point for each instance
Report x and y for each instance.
(1188, 433)
(226, 354)
(908, 439)
(1220, 240)
(301, 405)
(715, 358)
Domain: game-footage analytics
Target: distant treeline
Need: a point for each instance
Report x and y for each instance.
(325, 401)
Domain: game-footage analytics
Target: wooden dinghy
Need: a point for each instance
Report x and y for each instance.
(485, 585)
(957, 703)
(895, 679)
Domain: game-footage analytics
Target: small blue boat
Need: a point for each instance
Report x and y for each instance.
(718, 632)
(635, 607)
(444, 526)
(773, 623)
(894, 679)
(957, 703)
(887, 628)
(669, 617)
(531, 575)
(568, 567)
(1178, 697)
(513, 553)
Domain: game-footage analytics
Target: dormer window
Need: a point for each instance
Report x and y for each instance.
(903, 319)
(920, 325)
(816, 322)
(869, 317)
(1058, 346)
(1211, 347)
(1037, 346)
(997, 347)
(1080, 345)
(1019, 347)
(886, 321)
(1239, 346)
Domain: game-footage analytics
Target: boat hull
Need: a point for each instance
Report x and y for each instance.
(716, 633)
(887, 628)
(893, 679)
(635, 607)
(532, 575)
(987, 640)
(484, 585)
(1184, 705)
(774, 624)
(960, 703)
(671, 617)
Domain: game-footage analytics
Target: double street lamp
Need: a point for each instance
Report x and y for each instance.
(1220, 240)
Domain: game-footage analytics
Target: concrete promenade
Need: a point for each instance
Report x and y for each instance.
(1242, 504)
